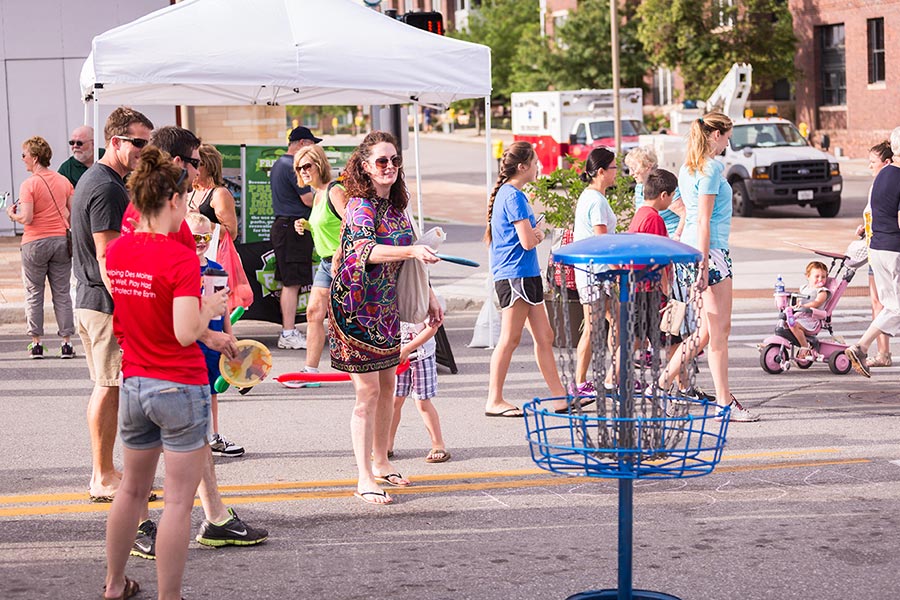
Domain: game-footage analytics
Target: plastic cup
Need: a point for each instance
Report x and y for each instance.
(214, 280)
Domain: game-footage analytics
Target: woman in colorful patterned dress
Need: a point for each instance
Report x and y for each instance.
(363, 316)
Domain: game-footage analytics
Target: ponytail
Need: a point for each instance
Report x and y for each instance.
(699, 145)
(517, 154)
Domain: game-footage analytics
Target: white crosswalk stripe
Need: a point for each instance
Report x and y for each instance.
(751, 328)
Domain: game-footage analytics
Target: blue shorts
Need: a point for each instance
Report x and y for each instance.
(212, 366)
(155, 411)
(420, 377)
(322, 277)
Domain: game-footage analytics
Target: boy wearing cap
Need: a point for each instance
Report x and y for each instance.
(293, 252)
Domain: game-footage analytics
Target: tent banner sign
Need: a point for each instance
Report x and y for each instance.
(258, 213)
(255, 214)
(232, 174)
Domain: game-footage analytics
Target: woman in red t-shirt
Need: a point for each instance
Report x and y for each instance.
(164, 402)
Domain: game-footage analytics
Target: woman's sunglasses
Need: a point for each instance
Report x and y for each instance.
(305, 167)
(202, 238)
(382, 161)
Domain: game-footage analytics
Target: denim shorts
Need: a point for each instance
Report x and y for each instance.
(155, 411)
(322, 277)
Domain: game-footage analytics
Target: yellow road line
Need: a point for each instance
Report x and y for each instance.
(299, 485)
(343, 492)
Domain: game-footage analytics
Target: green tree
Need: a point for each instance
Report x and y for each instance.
(580, 55)
(502, 25)
(703, 38)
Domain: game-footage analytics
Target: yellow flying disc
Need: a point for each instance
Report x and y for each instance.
(249, 366)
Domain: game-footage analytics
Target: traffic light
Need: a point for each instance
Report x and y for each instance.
(428, 21)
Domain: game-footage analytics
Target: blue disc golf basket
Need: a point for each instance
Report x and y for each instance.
(635, 430)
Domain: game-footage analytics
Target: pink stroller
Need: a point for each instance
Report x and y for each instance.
(777, 352)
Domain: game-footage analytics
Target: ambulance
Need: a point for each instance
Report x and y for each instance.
(560, 123)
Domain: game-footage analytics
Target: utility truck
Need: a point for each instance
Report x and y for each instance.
(767, 161)
(560, 123)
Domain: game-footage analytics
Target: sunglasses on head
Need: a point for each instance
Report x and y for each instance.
(202, 238)
(304, 167)
(194, 162)
(382, 161)
(77, 143)
(136, 142)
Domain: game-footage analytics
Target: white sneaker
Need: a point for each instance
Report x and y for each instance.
(292, 341)
(219, 446)
(739, 414)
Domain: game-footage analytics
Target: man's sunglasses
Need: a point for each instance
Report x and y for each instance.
(304, 167)
(202, 238)
(77, 143)
(194, 162)
(136, 142)
(382, 161)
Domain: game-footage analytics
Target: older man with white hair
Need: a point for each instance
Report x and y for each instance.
(884, 257)
(81, 142)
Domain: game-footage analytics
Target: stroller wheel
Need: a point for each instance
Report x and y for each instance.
(773, 359)
(839, 363)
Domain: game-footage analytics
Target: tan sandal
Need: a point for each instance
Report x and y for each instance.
(880, 360)
(804, 353)
(437, 455)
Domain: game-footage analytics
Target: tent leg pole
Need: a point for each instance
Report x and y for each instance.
(418, 169)
(489, 171)
(96, 124)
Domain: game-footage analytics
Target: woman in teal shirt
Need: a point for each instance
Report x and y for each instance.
(707, 200)
(313, 169)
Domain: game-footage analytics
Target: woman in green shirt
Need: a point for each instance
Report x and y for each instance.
(313, 169)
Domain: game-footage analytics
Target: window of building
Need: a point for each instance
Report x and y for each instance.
(876, 49)
(833, 70)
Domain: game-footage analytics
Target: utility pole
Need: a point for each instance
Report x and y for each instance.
(614, 41)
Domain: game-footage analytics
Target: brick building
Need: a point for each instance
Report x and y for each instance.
(849, 71)
(848, 81)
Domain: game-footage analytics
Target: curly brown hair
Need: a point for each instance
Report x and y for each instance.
(357, 181)
(155, 180)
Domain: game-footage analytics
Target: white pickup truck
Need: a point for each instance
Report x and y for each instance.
(768, 163)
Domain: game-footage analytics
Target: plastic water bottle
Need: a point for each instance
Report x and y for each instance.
(779, 285)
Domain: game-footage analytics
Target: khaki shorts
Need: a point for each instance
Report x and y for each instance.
(104, 357)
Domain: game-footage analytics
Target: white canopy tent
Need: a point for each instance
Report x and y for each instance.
(278, 52)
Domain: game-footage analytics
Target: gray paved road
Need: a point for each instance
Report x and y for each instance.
(804, 505)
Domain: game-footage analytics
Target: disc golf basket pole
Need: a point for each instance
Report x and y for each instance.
(634, 430)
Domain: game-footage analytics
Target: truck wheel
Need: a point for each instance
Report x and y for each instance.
(829, 209)
(740, 200)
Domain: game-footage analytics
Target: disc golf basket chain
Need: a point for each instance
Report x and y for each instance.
(633, 430)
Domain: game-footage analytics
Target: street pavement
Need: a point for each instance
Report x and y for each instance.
(803, 505)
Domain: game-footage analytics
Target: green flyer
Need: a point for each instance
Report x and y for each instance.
(258, 215)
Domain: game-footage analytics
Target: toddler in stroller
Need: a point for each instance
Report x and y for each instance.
(804, 315)
(816, 293)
